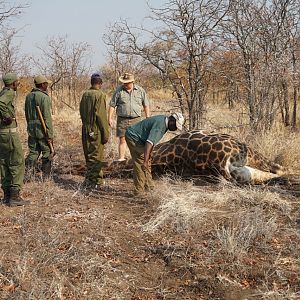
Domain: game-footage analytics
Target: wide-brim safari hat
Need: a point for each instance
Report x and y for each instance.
(126, 78)
(41, 79)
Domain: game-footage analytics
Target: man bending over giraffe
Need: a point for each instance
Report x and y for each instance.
(141, 138)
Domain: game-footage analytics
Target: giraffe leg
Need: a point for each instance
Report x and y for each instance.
(248, 175)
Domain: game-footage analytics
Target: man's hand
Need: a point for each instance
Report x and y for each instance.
(104, 140)
(110, 122)
(145, 166)
(7, 120)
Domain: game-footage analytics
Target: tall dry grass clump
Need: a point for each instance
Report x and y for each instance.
(282, 146)
(237, 216)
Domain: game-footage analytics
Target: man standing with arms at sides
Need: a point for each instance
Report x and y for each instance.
(11, 153)
(95, 131)
(141, 138)
(39, 141)
(128, 99)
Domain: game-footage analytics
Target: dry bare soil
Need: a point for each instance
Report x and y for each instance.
(182, 241)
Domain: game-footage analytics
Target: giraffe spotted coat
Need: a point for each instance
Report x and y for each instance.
(198, 153)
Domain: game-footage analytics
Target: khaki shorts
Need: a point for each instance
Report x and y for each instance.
(123, 123)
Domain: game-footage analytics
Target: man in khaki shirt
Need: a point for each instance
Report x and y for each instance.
(129, 100)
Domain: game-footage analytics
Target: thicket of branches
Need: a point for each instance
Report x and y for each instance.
(11, 59)
(247, 49)
(65, 62)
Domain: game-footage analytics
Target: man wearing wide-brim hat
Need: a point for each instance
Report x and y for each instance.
(11, 152)
(129, 100)
(38, 142)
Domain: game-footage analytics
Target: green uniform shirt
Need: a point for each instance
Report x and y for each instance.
(149, 130)
(11, 153)
(93, 112)
(7, 108)
(129, 105)
(34, 126)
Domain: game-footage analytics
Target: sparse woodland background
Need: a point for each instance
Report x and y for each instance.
(229, 66)
(242, 53)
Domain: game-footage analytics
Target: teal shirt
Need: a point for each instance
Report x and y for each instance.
(129, 105)
(150, 129)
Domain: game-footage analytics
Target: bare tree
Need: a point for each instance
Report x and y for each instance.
(66, 63)
(180, 49)
(121, 62)
(11, 59)
(258, 30)
(9, 11)
(292, 30)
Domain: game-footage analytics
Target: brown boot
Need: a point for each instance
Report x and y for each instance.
(15, 198)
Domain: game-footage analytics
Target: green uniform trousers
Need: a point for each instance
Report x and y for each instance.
(37, 147)
(12, 166)
(93, 153)
(142, 180)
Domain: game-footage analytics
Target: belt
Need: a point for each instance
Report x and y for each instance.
(8, 130)
(129, 117)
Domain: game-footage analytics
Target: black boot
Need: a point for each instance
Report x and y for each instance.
(46, 168)
(15, 198)
(6, 197)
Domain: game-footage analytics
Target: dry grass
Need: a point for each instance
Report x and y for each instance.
(181, 242)
(184, 207)
(232, 227)
(61, 249)
(159, 96)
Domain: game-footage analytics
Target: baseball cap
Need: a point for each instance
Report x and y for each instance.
(9, 78)
(41, 79)
(179, 120)
(95, 75)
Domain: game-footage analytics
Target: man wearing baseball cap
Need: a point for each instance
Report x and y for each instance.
(11, 152)
(39, 141)
(129, 99)
(141, 138)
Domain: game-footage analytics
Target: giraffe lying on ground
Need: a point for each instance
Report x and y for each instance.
(212, 155)
(220, 155)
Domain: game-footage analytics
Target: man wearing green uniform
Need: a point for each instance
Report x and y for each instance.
(38, 142)
(95, 131)
(128, 99)
(141, 139)
(11, 153)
